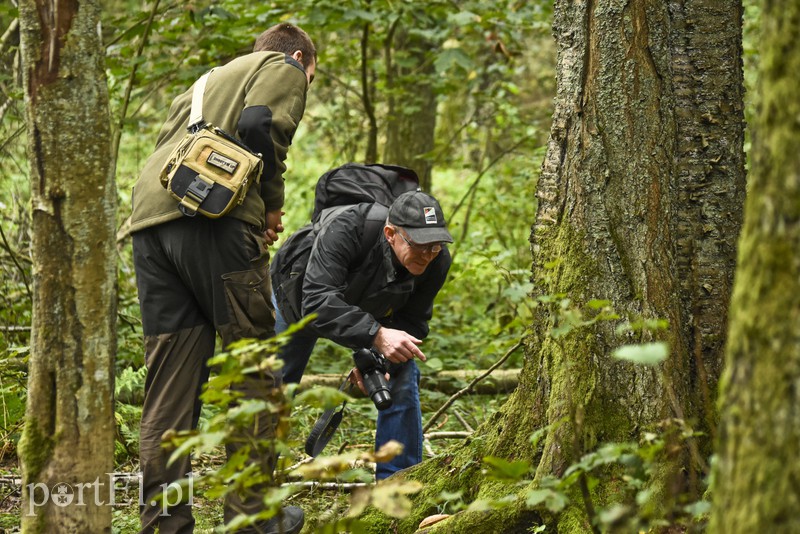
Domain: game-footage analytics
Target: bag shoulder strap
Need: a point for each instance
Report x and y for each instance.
(196, 121)
(373, 225)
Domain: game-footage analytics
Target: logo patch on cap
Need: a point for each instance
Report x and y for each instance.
(430, 215)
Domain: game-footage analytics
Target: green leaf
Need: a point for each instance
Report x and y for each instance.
(537, 436)
(553, 500)
(462, 18)
(451, 495)
(479, 505)
(561, 331)
(435, 364)
(504, 470)
(390, 497)
(360, 15)
(597, 304)
(452, 57)
(248, 409)
(482, 505)
(646, 354)
(698, 509)
(518, 292)
(613, 513)
(322, 397)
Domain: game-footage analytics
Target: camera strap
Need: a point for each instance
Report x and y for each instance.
(326, 424)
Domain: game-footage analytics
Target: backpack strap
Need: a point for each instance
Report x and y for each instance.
(327, 215)
(373, 225)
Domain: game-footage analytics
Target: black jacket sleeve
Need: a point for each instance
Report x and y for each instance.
(413, 317)
(275, 100)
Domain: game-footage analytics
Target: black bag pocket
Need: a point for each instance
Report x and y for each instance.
(289, 296)
(217, 200)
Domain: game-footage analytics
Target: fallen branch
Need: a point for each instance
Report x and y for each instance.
(126, 478)
(463, 421)
(447, 382)
(14, 328)
(328, 485)
(470, 386)
(447, 435)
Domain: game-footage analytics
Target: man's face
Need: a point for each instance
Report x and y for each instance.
(311, 69)
(414, 257)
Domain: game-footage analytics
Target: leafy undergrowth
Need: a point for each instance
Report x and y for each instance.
(323, 506)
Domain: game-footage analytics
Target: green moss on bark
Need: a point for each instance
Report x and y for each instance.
(757, 471)
(36, 451)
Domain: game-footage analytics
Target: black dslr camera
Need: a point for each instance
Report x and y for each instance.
(372, 366)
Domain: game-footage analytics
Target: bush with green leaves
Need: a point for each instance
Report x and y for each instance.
(231, 420)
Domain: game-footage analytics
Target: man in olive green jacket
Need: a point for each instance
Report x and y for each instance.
(198, 277)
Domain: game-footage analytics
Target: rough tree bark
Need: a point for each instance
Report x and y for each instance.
(757, 472)
(411, 118)
(640, 201)
(67, 444)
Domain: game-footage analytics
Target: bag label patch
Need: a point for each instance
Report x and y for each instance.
(221, 162)
(430, 215)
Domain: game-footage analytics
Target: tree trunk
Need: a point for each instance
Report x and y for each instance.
(411, 118)
(756, 484)
(67, 444)
(368, 97)
(640, 203)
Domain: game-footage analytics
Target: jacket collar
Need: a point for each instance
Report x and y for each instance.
(391, 266)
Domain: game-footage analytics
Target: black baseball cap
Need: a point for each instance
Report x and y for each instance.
(420, 215)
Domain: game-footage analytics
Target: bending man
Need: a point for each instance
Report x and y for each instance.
(371, 289)
(198, 277)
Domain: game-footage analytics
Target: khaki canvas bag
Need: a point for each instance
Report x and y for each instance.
(209, 171)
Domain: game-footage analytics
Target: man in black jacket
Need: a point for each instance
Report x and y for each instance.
(372, 289)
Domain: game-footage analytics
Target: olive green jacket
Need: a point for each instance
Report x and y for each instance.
(260, 98)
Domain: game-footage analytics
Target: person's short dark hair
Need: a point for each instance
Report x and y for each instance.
(287, 38)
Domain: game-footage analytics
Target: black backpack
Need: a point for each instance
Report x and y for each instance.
(350, 184)
(353, 183)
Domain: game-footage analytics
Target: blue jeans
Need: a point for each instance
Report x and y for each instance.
(401, 422)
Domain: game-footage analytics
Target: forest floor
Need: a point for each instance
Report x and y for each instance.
(322, 506)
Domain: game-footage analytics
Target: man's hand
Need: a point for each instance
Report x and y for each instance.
(356, 378)
(397, 346)
(274, 226)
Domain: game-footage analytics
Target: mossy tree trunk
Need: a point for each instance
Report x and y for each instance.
(67, 444)
(640, 203)
(757, 472)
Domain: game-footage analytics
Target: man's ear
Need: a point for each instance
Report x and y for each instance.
(298, 56)
(388, 231)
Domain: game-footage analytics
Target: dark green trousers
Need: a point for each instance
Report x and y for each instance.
(197, 278)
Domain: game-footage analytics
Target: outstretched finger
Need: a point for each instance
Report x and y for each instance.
(416, 353)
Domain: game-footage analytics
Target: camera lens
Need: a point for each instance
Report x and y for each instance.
(382, 399)
(373, 368)
(378, 390)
